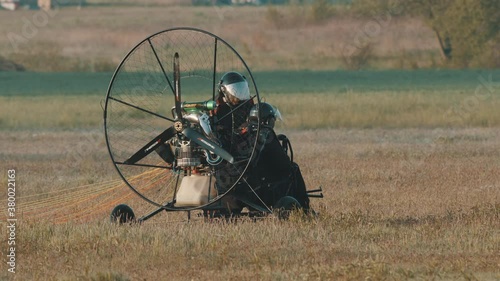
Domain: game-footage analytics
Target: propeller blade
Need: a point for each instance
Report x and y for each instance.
(207, 144)
(151, 146)
(177, 86)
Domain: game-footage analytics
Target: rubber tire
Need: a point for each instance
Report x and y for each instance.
(285, 205)
(122, 214)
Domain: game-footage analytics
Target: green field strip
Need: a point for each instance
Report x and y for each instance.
(272, 82)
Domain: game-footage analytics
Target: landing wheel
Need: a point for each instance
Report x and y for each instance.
(285, 206)
(122, 214)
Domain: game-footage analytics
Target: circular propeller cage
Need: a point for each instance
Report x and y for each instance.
(152, 147)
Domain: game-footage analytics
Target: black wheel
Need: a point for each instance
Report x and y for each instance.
(158, 139)
(285, 205)
(122, 214)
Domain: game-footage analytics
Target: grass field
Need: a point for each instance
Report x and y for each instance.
(410, 192)
(399, 204)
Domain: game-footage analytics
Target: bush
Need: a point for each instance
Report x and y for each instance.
(358, 57)
(298, 14)
(8, 65)
(275, 17)
(320, 11)
(372, 7)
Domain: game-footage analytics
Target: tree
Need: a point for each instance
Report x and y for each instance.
(467, 30)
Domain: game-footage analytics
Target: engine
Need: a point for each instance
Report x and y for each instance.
(188, 153)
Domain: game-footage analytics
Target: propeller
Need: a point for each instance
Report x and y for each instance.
(151, 146)
(189, 133)
(177, 86)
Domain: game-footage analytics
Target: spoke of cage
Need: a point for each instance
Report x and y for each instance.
(215, 69)
(161, 65)
(141, 109)
(143, 165)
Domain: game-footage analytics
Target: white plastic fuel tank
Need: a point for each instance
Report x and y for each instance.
(194, 191)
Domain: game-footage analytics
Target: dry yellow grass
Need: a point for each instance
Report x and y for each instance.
(400, 204)
(53, 112)
(98, 37)
(389, 109)
(305, 110)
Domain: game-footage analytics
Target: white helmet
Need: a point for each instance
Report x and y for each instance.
(234, 88)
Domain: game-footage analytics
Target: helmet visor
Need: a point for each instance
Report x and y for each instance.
(238, 90)
(277, 114)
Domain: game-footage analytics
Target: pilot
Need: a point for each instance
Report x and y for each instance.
(237, 118)
(270, 158)
(272, 172)
(233, 107)
(230, 123)
(264, 113)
